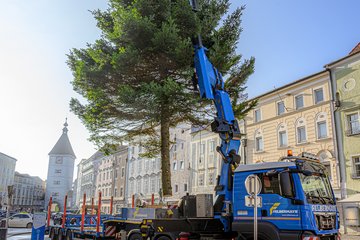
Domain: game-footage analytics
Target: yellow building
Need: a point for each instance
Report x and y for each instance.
(297, 116)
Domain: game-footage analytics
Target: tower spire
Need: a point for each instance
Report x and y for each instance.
(65, 130)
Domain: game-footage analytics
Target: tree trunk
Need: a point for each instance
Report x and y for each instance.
(165, 154)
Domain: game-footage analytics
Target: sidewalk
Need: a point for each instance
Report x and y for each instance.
(350, 237)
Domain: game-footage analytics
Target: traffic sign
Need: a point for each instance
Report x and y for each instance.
(253, 184)
(38, 228)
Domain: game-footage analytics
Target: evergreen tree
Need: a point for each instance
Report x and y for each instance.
(136, 78)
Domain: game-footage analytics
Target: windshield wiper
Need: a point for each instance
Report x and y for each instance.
(330, 200)
(319, 196)
(313, 198)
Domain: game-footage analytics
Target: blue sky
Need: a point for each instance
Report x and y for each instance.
(289, 39)
(293, 39)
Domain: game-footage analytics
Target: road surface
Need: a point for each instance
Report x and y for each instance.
(25, 234)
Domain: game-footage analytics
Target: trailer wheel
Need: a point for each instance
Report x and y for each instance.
(69, 235)
(135, 236)
(163, 238)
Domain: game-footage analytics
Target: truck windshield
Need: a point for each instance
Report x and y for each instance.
(317, 189)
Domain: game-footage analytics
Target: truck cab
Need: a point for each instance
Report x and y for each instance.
(297, 201)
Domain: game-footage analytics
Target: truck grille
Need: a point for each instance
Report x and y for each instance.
(325, 221)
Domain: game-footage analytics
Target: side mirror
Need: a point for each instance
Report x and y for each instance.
(286, 188)
(272, 173)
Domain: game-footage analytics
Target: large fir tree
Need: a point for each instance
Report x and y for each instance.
(136, 79)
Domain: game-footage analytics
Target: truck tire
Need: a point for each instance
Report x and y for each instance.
(29, 225)
(135, 236)
(163, 238)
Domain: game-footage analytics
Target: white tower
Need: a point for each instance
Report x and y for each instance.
(60, 170)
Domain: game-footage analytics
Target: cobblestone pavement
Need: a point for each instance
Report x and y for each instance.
(350, 237)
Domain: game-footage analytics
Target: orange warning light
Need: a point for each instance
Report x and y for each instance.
(289, 153)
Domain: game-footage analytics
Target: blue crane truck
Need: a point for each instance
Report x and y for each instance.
(297, 199)
(297, 203)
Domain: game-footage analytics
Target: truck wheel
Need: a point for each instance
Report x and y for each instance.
(163, 238)
(29, 225)
(135, 236)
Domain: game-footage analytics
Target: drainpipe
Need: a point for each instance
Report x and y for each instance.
(338, 138)
(244, 143)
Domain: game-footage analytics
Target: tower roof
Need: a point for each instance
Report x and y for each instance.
(63, 145)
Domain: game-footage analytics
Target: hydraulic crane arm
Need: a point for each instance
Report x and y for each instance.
(211, 86)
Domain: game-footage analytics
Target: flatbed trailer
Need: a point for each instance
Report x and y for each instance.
(126, 225)
(107, 230)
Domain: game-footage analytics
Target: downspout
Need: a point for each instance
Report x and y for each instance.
(244, 143)
(338, 138)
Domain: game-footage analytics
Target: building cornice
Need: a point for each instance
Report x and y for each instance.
(342, 60)
(289, 113)
(307, 78)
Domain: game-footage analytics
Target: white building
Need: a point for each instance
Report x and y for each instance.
(7, 171)
(205, 163)
(87, 177)
(144, 175)
(29, 193)
(60, 170)
(180, 136)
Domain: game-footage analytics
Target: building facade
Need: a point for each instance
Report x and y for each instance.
(205, 161)
(87, 173)
(7, 172)
(144, 176)
(111, 179)
(297, 116)
(60, 170)
(120, 165)
(29, 193)
(345, 79)
(180, 137)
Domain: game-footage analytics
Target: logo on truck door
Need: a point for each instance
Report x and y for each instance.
(274, 206)
(283, 212)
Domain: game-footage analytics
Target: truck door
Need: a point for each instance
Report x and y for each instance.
(278, 205)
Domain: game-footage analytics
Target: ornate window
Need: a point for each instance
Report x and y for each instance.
(259, 144)
(321, 126)
(282, 135)
(325, 158)
(301, 131)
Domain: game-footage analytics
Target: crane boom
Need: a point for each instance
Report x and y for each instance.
(211, 86)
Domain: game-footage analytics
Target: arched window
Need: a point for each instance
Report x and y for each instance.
(325, 158)
(321, 126)
(282, 135)
(259, 141)
(301, 131)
